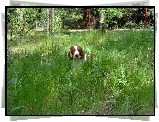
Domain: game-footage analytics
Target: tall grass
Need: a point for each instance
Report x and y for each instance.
(118, 81)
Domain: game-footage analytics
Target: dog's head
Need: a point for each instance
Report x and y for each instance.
(76, 52)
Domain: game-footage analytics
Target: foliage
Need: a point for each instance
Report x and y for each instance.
(126, 17)
(26, 21)
(23, 20)
(109, 14)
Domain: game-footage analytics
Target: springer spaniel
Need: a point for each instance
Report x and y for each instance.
(76, 54)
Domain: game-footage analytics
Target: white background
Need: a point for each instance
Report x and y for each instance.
(72, 2)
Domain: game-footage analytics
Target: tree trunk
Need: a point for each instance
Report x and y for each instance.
(47, 16)
(102, 22)
(53, 20)
(50, 20)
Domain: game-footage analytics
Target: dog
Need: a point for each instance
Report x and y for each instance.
(77, 54)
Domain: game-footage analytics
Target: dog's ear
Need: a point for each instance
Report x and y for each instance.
(70, 55)
(81, 52)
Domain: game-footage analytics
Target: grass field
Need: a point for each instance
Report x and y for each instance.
(118, 81)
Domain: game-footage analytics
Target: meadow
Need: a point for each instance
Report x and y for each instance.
(118, 81)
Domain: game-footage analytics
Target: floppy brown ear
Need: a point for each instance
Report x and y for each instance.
(70, 55)
(81, 52)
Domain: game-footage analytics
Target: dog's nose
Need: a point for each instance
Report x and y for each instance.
(76, 55)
